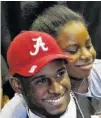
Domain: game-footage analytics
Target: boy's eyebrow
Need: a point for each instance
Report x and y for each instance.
(34, 78)
(61, 69)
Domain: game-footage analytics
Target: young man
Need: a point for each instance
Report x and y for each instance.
(39, 77)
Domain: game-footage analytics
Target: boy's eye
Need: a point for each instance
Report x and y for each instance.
(42, 80)
(61, 73)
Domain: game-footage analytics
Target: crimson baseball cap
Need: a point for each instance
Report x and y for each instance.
(30, 51)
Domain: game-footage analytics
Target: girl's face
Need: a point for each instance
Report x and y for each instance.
(75, 41)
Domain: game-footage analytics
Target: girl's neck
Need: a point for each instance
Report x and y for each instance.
(79, 85)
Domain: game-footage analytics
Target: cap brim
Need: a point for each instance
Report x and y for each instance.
(40, 64)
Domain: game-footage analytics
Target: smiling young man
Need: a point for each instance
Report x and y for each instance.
(39, 77)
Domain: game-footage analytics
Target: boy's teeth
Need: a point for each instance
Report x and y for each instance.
(57, 100)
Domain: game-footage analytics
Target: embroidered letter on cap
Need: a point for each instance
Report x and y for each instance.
(32, 69)
(39, 44)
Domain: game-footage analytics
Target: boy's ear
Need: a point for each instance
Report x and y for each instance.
(16, 84)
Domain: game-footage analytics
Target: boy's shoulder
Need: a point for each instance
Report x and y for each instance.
(14, 108)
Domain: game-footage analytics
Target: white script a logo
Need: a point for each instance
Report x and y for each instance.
(39, 44)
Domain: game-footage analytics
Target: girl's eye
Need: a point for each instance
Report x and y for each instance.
(71, 50)
(88, 46)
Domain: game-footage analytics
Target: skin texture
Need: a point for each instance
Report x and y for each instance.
(74, 39)
(47, 86)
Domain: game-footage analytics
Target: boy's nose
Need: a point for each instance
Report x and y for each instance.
(56, 88)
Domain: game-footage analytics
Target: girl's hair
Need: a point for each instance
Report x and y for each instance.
(55, 17)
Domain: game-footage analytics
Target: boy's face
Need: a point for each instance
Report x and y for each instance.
(49, 90)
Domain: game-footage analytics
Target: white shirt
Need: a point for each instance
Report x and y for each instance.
(16, 108)
(94, 81)
(70, 112)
